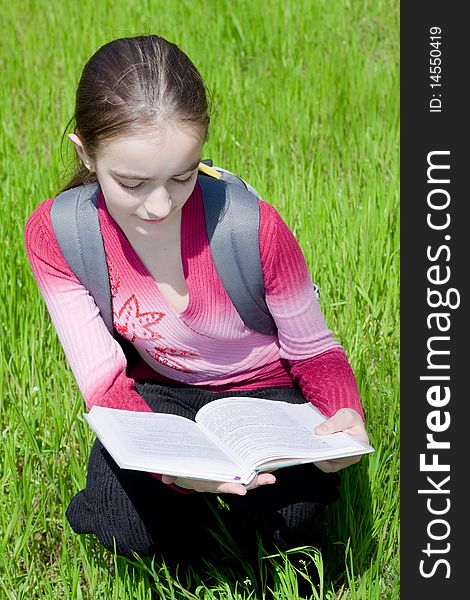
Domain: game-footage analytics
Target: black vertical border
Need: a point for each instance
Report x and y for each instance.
(422, 132)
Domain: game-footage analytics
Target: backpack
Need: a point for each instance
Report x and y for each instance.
(232, 222)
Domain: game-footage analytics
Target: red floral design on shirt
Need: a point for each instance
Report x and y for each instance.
(165, 356)
(114, 277)
(133, 325)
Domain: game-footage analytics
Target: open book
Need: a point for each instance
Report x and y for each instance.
(231, 440)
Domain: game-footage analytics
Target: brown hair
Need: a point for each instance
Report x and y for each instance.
(129, 86)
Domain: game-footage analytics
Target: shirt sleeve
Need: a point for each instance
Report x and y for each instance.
(95, 357)
(318, 362)
(328, 382)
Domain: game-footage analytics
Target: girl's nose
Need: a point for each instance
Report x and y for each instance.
(158, 204)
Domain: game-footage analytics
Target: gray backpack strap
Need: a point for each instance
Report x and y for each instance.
(232, 178)
(232, 224)
(74, 216)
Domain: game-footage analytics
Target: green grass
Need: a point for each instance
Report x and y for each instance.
(306, 98)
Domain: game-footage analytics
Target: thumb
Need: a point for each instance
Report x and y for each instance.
(331, 425)
(343, 419)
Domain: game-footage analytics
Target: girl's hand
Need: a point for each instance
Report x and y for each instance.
(349, 421)
(216, 487)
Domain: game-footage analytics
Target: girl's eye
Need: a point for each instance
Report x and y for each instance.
(131, 189)
(184, 180)
(136, 187)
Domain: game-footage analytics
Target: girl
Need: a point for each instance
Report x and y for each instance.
(141, 122)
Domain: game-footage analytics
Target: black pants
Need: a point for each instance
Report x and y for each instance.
(144, 515)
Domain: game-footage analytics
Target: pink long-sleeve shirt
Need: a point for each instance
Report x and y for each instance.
(207, 344)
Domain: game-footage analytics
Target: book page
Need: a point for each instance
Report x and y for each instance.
(158, 442)
(258, 429)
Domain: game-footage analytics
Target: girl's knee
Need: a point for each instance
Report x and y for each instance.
(126, 542)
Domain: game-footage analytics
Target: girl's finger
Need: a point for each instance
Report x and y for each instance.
(231, 488)
(266, 479)
(169, 479)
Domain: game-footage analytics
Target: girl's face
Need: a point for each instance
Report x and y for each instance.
(147, 179)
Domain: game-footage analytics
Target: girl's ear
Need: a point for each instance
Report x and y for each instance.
(80, 150)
